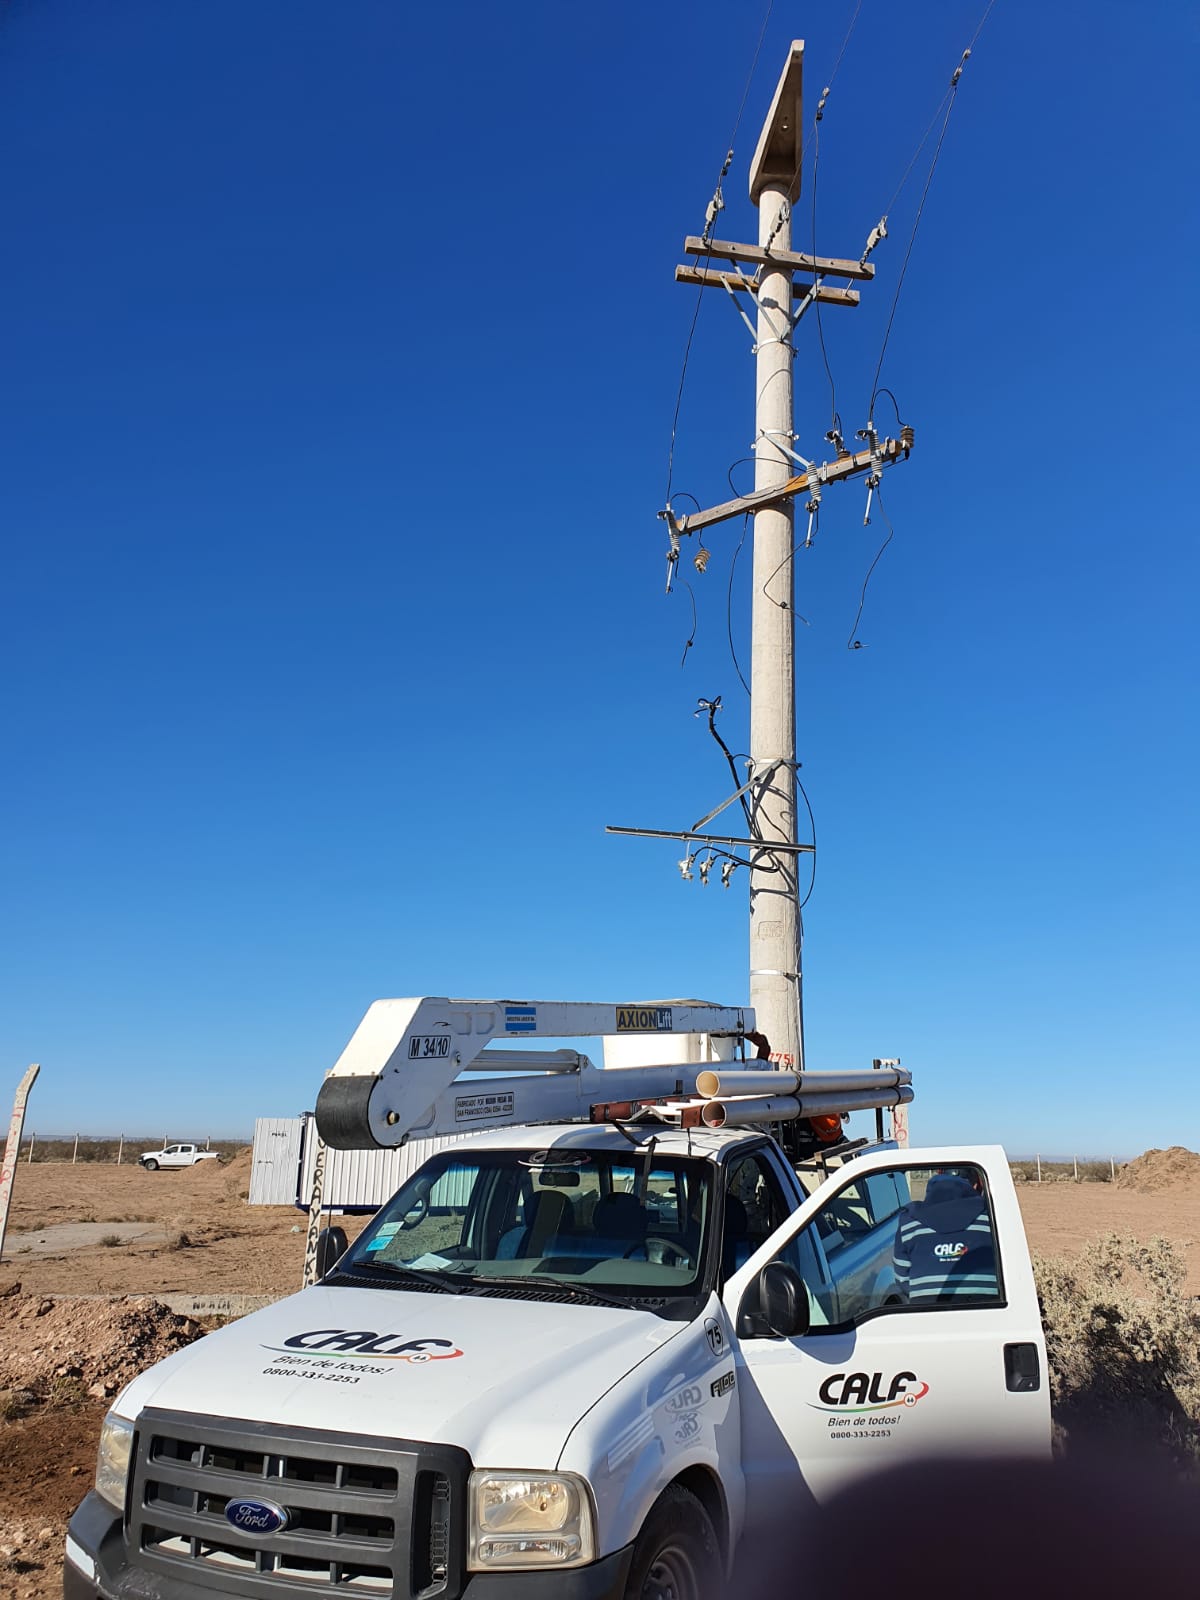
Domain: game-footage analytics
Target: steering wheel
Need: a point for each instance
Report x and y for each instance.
(847, 1221)
(667, 1248)
(415, 1214)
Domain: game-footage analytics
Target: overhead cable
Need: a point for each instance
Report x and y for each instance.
(947, 101)
(715, 206)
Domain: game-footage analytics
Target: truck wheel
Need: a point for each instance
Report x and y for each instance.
(150, 1166)
(676, 1556)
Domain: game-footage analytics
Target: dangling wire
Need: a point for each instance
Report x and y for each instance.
(712, 707)
(852, 643)
(812, 823)
(729, 604)
(695, 622)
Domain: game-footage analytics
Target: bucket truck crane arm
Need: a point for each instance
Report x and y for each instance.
(394, 1077)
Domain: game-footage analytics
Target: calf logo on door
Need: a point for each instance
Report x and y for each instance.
(870, 1391)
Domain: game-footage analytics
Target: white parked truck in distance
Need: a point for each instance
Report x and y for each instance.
(584, 1358)
(176, 1155)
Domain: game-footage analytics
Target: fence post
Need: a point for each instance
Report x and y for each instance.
(120, 1147)
(29, 1157)
(1112, 1170)
(75, 1152)
(1075, 1160)
(1038, 1159)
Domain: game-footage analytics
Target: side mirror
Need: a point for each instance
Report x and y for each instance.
(331, 1242)
(783, 1300)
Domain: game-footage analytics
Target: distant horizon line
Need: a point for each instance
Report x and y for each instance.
(248, 1139)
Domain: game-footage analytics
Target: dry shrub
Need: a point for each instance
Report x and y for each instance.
(1123, 1342)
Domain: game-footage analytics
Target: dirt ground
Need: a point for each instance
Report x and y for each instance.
(196, 1234)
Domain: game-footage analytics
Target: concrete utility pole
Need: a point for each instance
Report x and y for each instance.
(775, 980)
(780, 473)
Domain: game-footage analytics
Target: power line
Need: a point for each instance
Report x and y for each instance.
(820, 112)
(834, 419)
(716, 205)
(948, 100)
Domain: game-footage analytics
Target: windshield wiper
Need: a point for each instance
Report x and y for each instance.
(445, 1282)
(585, 1290)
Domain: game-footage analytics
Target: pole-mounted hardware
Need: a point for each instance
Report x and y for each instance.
(882, 453)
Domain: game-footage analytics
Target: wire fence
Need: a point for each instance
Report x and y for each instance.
(115, 1149)
(1069, 1169)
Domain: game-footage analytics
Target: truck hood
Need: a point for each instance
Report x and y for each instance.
(506, 1380)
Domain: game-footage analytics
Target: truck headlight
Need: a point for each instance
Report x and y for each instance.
(112, 1462)
(529, 1519)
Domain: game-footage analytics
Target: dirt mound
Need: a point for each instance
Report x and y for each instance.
(1175, 1168)
(225, 1181)
(57, 1351)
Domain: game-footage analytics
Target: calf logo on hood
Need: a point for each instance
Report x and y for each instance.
(365, 1342)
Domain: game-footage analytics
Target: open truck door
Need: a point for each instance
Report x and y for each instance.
(891, 1319)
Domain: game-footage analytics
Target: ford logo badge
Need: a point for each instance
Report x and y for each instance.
(256, 1516)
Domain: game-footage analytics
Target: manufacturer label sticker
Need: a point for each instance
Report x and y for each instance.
(520, 1019)
(477, 1107)
(721, 1385)
(645, 1019)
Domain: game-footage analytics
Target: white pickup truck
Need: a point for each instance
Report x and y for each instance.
(176, 1155)
(576, 1360)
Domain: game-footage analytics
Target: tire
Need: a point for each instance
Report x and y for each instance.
(676, 1556)
(150, 1166)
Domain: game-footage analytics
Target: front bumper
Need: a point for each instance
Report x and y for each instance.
(97, 1568)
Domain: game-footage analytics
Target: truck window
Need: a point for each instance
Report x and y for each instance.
(922, 1242)
(628, 1227)
(754, 1208)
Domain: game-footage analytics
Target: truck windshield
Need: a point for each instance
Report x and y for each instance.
(630, 1226)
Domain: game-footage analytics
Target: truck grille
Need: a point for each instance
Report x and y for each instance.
(370, 1517)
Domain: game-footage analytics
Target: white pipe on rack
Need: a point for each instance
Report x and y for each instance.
(782, 1108)
(718, 1083)
(753, 1108)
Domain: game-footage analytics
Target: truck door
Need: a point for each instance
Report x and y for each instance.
(924, 1338)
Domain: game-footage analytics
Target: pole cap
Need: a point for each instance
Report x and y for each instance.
(781, 143)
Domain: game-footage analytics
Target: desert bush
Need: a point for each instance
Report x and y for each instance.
(110, 1240)
(66, 1392)
(1123, 1343)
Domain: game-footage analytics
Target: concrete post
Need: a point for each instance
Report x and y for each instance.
(774, 901)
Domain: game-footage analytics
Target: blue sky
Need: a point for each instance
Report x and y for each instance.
(340, 353)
